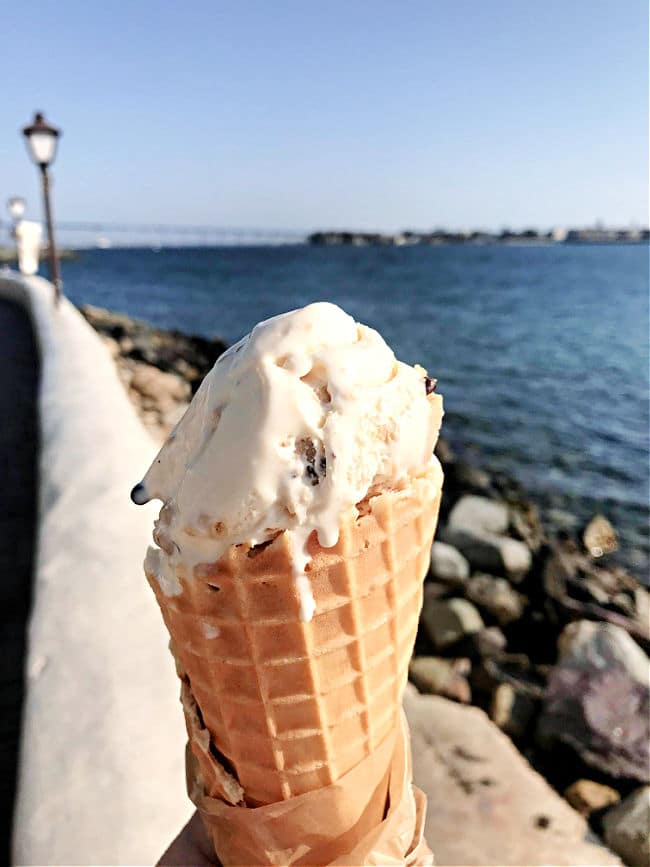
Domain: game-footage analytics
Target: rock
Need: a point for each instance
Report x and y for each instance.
(588, 797)
(593, 646)
(562, 520)
(447, 677)
(171, 418)
(642, 604)
(448, 564)
(526, 524)
(461, 478)
(444, 452)
(171, 351)
(449, 620)
(600, 537)
(479, 515)
(499, 555)
(576, 588)
(112, 345)
(486, 805)
(434, 590)
(497, 597)
(512, 711)
(514, 669)
(627, 828)
(161, 387)
(490, 641)
(598, 700)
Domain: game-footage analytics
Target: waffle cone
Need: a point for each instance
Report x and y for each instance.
(290, 707)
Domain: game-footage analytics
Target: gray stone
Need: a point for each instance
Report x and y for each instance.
(188, 355)
(526, 524)
(512, 711)
(486, 805)
(490, 641)
(576, 587)
(627, 828)
(448, 564)
(562, 520)
(438, 676)
(600, 537)
(479, 515)
(598, 646)
(444, 451)
(434, 590)
(462, 477)
(515, 669)
(497, 597)
(499, 555)
(587, 796)
(598, 700)
(449, 620)
(157, 384)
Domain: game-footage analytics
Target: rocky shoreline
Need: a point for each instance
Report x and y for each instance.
(540, 629)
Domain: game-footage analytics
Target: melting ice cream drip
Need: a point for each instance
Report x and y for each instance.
(300, 559)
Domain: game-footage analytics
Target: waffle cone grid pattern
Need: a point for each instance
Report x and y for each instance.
(293, 706)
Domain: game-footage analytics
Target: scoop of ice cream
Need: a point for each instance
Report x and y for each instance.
(292, 427)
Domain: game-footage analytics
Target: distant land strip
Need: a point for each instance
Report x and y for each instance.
(595, 235)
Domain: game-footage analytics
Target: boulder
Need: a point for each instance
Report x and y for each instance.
(490, 641)
(590, 645)
(488, 552)
(479, 515)
(190, 356)
(434, 590)
(599, 537)
(448, 564)
(112, 345)
(526, 524)
(577, 588)
(159, 386)
(562, 521)
(486, 805)
(515, 669)
(438, 676)
(598, 700)
(627, 828)
(497, 597)
(511, 710)
(588, 797)
(444, 451)
(461, 478)
(447, 621)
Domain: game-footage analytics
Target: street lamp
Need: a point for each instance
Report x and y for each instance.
(42, 140)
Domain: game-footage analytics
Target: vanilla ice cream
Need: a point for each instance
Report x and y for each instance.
(292, 427)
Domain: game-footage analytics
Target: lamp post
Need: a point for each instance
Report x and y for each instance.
(42, 140)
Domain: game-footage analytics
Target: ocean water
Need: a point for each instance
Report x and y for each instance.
(541, 352)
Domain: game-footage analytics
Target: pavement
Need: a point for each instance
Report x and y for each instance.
(19, 376)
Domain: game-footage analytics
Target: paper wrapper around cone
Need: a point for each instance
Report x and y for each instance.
(330, 826)
(297, 709)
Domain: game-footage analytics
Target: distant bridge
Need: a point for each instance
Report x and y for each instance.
(179, 233)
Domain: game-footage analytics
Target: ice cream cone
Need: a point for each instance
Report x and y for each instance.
(290, 706)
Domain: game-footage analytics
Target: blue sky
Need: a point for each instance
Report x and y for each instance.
(462, 113)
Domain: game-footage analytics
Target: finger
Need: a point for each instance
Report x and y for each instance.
(192, 847)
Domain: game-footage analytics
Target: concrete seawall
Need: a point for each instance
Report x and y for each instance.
(101, 776)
